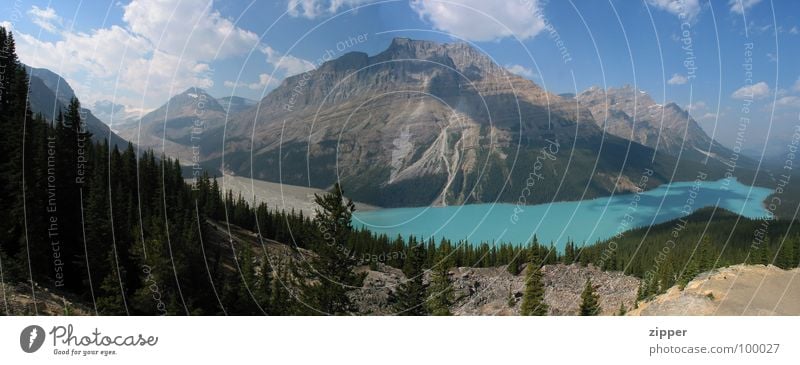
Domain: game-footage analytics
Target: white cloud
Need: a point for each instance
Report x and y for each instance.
(481, 20)
(796, 85)
(755, 91)
(189, 27)
(521, 71)
(162, 46)
(284, 65)
(312, 9)
(677, 79)
(45, 18)
(686, 9)
(264, 81)
(287, 64)
(794, 30)
(740, 6)
(696, 106)
(788, 101)
(708, 116)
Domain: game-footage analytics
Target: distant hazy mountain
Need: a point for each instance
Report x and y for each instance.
(632, 114)
(110, 112)
(424, 122)
(48, 93)
(178, 126)
(236, 104)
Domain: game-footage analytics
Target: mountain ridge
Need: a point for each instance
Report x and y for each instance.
(418, 123)
(632, 114)
(468, 121)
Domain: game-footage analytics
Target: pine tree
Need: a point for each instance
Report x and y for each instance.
(247, 303)
(569, 253)
(706, 256)
(533, 298)
(440, 291)
(282, 301)
(640, 293)
(410, 297)
(622, 310)
(513, 265)
(111, 301)
(330, 274)
(689, 272)
(264, 287)
(590, 301)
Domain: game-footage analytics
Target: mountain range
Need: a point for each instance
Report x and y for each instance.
(634, 115)
(435, 123)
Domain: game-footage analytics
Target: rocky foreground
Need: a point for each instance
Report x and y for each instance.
(494, 291)
(751, 290)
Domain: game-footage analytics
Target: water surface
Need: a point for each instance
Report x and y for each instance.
(581, 221)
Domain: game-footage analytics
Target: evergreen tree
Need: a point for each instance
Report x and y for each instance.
(513, 265)
(689, 272)
(706, 256)
(533, 298)
(264, 287)
(785, 256)
(247, 302)
(410, 297)
(330, 274)
(440, 291)
(282, 301)
(590, 301)
(640, 293)
(569, 253)
(111, 301)
(622, 310)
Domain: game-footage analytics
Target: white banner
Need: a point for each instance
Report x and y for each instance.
(399, 340)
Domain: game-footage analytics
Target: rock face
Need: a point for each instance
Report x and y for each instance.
(494, 291)
(737, 290)
(633, 114)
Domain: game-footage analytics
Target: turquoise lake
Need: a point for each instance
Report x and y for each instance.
(581, 221)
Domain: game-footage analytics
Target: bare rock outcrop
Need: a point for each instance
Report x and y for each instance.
(495, 291)
(735, 290)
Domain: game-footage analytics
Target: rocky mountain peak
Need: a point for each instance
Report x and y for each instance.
(626, 97)
(194, 96)
(632, 113)
(461, 56)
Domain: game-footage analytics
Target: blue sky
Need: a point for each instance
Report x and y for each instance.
(138, 53)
